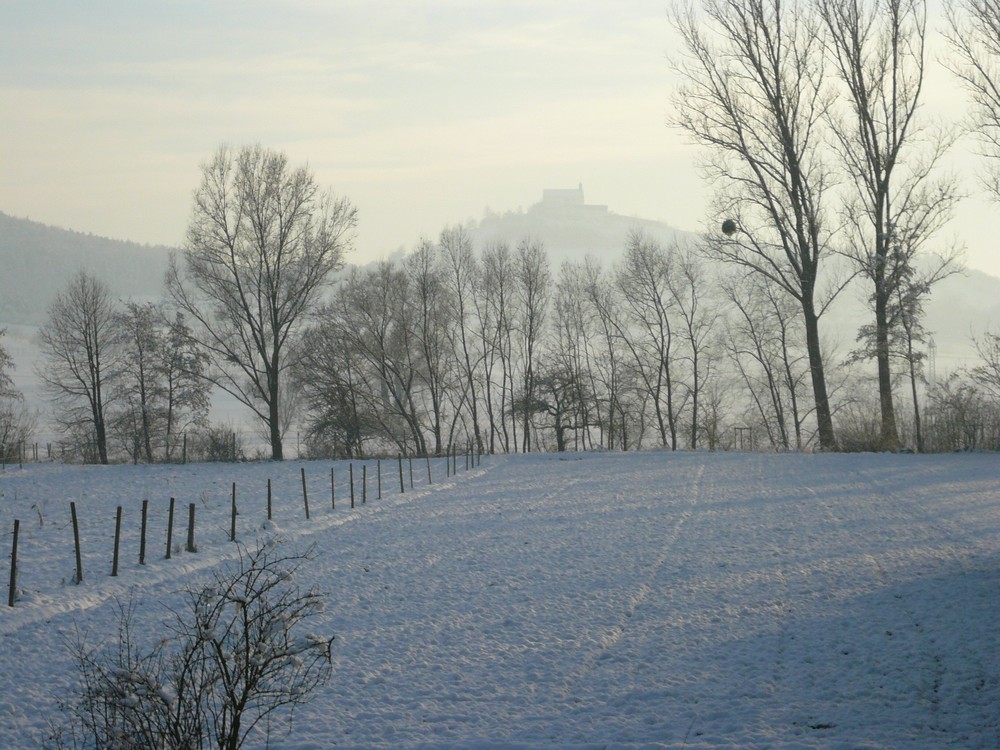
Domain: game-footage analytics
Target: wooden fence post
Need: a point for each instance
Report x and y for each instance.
(428, 469)
(350, 475)
(13, 566)
(118, 537)
(364, 483)
(268, 499)
(142, 533)
(232, 521)
(190, 541)
(305, 494)
(76, 543)
(333, 492)
(184, 450)
(170, 528)
(402, 489)
(379, 478)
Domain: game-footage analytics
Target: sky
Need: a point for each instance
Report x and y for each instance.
(424, 114)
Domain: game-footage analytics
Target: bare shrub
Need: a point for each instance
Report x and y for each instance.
(237, 653)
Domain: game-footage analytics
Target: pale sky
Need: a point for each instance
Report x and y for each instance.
(423, 113)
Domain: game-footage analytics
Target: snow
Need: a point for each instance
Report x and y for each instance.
(642, 600)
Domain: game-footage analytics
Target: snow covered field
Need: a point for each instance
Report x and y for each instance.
(604, 600)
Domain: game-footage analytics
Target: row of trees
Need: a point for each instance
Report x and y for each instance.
(122, 377)
(809, 112)
(666, 348)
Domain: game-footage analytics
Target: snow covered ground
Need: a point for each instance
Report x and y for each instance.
(604, 600)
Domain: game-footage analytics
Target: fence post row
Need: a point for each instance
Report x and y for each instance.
(450, 463)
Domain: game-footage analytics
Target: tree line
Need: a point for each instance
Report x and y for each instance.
(824, 172)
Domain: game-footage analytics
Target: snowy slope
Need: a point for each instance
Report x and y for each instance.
(609, 600)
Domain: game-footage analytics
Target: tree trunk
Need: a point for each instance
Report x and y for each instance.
(274, 422)
(890, 435)
(827, 440)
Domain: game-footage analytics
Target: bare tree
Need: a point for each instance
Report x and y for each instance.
(16, 420)
(328, 374)
(186, 390)
(262, 242)
(689, 287)
(754, 93)
(895, 202)
(533, 292)
(765, 347)
(496, 323)
(371, 311)
(575, 336)
(429, 315)
(644, 281)
(79, 344)
(161, 388)
(138, 388)
(463, 277)
(987, 373)
(607, 373)
(974, 34)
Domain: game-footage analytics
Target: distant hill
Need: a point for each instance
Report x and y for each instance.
(37, 261)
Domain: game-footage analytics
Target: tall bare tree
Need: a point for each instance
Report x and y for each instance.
(690, 287)
(463, 277)
(644, 279)
(754, 94)
(895, 201)
(80, 350)
(262, 242)
(429, 315)
(607, 374)
(533, 292)
(974, 34)
(496, 323)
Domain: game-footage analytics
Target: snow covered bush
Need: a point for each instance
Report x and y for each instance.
(236, 653)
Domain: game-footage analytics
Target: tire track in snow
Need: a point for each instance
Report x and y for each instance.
(613, 634)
